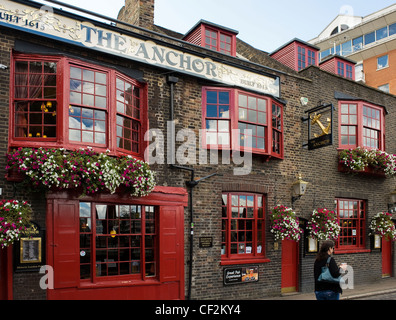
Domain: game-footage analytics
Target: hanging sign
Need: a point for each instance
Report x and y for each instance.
(320, 126)
(106, 39)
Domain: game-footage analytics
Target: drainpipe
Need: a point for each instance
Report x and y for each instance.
(191, 184)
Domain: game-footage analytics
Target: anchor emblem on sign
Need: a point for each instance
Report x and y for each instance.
(316, 120)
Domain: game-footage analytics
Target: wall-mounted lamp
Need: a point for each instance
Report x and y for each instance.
(299, 188)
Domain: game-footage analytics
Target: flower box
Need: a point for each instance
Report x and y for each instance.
(368, 171)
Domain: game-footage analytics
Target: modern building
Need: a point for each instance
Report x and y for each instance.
(370, 41)
(229, 131)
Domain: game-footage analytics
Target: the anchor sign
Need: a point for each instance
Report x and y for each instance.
(316, 120)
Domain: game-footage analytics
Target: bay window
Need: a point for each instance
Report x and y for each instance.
(361, 125)
(234, 118)
(62, 102)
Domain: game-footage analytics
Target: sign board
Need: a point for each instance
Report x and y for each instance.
(320, 126)
(239, 275)
(45, 22)
(29, 252)
(206, 242)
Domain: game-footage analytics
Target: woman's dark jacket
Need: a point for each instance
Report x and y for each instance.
(335, 272)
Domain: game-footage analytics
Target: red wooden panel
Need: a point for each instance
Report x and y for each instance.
(289, 265)
(171, 248)
(66, 244)
(386, 258)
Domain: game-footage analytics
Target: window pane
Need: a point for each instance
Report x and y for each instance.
(369, 38)
(382, 33)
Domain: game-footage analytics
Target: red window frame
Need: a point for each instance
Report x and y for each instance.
(118, 242)
(219, 40)
(341, 68)
(34, 105)
(352, 216)
(265, 123)
(243, 227)
(356, 128)
(302, 58)
(69, 98)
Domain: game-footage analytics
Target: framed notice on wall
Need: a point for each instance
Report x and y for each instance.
(30, 250)
(241, 275)
(29, 254)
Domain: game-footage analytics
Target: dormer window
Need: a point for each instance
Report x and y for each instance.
(214, 37)
(297, 55)
(340, 66)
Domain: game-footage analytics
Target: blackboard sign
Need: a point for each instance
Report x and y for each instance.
(240, 275)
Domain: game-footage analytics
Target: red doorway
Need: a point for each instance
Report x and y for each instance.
(387, 258)
(5, 274)
(289, 266)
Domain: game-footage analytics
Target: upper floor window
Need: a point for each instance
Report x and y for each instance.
(361, 125)
(234, 119)
(214, 37)
(218, 41)
(301, 58)
(383, 62)
(340, 68)
(306, 57)
(60, 102)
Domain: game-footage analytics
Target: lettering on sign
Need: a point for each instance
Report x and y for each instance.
(46, 23)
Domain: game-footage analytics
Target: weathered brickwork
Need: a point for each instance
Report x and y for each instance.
(270, 177)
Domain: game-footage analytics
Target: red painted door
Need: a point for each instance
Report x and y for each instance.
(5, 274)
(289, 266)
(386, 257)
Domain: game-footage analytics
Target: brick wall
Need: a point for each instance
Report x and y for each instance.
(270, 177)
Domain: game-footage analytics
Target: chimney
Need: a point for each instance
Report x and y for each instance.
(138, 12)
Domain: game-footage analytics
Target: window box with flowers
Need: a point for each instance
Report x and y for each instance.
(285, 224)
(382, 225)
(364, 161)
(14, 217)
(82, 169)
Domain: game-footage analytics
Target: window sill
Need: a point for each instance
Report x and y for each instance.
(351, 250)
(231, 262)
(117, 283)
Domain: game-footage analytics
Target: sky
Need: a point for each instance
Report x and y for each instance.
(264, 24)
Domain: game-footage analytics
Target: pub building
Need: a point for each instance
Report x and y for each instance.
(228, 131)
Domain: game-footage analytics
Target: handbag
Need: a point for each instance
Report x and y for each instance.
(326, 276)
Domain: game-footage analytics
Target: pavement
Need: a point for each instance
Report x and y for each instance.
(382, 286)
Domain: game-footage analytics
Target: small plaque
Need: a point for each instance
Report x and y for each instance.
(206, 242)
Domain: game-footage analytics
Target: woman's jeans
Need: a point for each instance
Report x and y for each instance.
(327, 295)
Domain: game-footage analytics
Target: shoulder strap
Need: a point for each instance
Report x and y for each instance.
(328, 261)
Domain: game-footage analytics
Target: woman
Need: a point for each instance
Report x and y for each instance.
(326, 290)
